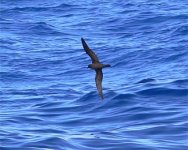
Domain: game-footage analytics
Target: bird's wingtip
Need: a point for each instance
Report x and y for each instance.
(84, 44)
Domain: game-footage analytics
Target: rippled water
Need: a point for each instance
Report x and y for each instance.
(48, 96)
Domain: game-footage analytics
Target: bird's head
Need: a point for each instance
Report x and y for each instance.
(89, 66)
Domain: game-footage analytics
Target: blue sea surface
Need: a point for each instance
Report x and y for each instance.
(48, 97)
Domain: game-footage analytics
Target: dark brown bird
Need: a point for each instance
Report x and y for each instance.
(96, 65)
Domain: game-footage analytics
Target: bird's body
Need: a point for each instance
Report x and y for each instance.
(97, 66)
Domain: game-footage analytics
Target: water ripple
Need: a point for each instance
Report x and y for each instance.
(48, 96)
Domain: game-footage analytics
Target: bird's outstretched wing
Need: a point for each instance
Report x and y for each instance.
(98, 80)
(93, 56)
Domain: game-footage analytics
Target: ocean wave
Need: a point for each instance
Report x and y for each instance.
(61, 7)
(14, 76)
(24, 9)
(42, 28)
(7, 41)
(163, 92)
(181, 30)
(146, 80)
(176, 57)
(181, 81)
(49, 99)
(3, 20)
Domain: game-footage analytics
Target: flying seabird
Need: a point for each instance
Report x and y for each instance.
(96, 65)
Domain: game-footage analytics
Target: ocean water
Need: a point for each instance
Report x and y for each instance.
(48, 96)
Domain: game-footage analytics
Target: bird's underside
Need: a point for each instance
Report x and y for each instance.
(97, 66)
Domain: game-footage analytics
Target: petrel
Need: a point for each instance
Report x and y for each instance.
(97, 66)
